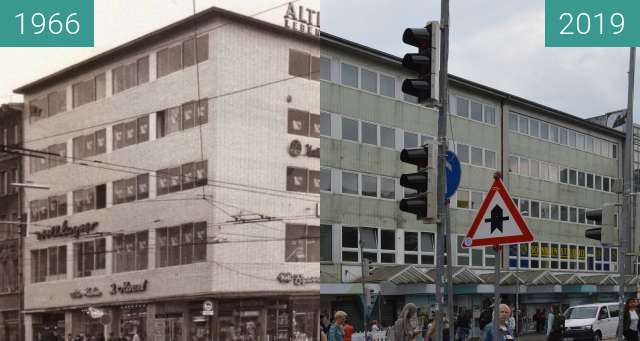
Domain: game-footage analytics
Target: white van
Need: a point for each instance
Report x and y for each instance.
(592, 322)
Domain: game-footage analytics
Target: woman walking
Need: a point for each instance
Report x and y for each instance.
(630, 320)
(406, 327)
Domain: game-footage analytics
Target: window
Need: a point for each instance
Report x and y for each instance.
(580, 141)
(325, 124)
(89, 90)
(302, 243)
(169, 60)
(387, 86)
(410, 140)
(325, 179)
(350, 129)
(573, 214)
(513, 122)
(535, 209)
(304, 65)
(489, 115)
(89, 257)
(534, 168)
(581, 179)
(598, 182)
(131, 251)
(463, 152)
(57, 102)
(349, 75)
(171, 120)
(350, 183)
(544, 210)
(555, 212)
(369, 186)
(553, 173)
(564, 175)
(490, 159)
(48, 264)
(573, 177)
(135, 188)
(38, 109)
(605, 184)
(534, 128)
(553, 133)
(572, 138)
(325, 68)
(462, 199)
(326, 243)
(563, 136)
(387, 188)
(298, 122)
(183, 244)
(90, 145)
(524, 167)
(513, 164)
(130, 75)
(369, 133)
(89, 199)
(544, 130)
(564, 213)
(476, 200)
(388, 137)
(180, 178)
(523, 124)
(462, 106)
(589, 143)
(476, 156)
(524, 207)
(589, 180)
(369, 80)
(476, 111)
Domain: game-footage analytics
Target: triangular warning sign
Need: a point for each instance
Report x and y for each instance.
(498, 221)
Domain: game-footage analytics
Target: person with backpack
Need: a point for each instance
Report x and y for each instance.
(504, 332)
(630, 320)
(555, 324)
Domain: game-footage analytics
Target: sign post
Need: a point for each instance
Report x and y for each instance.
(497, 223)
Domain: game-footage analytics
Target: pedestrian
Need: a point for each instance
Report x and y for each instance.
(463, 326)
(431, 333)
(348, 331)
(511, 322)
(406, 327)
(504, 332)
(555, 324)
(630, 320)
(336, 331)
(374, 326)
(538, 321)
(135, 336)
(325, 323)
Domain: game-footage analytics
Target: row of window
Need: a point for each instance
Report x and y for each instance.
(363, 184)
(547, 171)
(379, 246)
(6, 179)
(176, 245)
(379, 83)
(125, 134)
(552, 255)
(8, 275)
(124, 77)
(187, 176)
(568, 137)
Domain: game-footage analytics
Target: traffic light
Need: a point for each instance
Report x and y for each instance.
(423, 182)
(606, 216)
(426, 63)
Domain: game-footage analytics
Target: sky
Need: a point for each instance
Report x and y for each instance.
(499, 43)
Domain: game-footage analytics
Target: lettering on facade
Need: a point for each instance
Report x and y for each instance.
(304, 20)
(87, 292)
(296, 279)
(64, 230)
(128, 288)
(296, 149)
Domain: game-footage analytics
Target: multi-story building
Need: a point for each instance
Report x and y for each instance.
(183, 169)
(555, 165)
(10, 228)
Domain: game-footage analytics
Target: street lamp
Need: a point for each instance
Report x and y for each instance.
(29, 184)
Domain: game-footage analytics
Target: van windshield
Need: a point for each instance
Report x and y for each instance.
(581, 313)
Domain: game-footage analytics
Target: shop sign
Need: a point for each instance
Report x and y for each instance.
(302, 20)
(87, 292)
(296, 279)
(581, 253)
(554, 251)
(64, 230)
(128, 288)
(564, 252)
(545, 250)
(573, 253)
(534, 250)
(296, 149)
(207, 308)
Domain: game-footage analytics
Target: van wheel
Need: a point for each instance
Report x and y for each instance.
(598, 336)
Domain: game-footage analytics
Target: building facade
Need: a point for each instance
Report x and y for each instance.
(10, 231)
(184, 187)
(556, 166)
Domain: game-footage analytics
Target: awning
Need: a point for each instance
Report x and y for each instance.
(399, 274)
(539, 277)
(570, 279)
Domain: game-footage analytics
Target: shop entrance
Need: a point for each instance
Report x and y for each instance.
(133, 320)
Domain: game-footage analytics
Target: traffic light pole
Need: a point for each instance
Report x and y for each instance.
(442, 157)
(628, 187)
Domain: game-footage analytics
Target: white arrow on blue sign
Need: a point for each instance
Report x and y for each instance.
(453, 172)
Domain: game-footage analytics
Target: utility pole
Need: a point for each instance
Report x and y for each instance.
(628, 187)
(364, 262)
(442, 159)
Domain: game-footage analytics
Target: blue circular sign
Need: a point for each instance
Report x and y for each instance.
(452, 173)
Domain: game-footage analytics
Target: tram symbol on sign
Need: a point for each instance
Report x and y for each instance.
(496, 219)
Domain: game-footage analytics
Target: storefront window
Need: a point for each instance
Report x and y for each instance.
(48, 326)
(133, 320)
